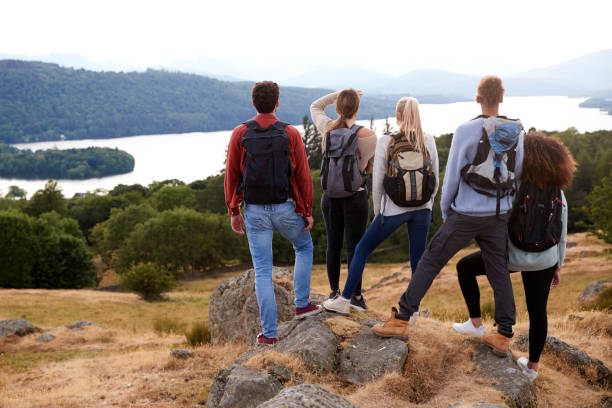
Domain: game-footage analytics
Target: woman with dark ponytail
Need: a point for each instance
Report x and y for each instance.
(414, 154)
(344, 216)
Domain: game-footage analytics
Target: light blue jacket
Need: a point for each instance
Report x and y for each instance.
(458, 195)
(519, 260)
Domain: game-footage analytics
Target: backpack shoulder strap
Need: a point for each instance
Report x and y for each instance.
(355, 128)
(252, 124)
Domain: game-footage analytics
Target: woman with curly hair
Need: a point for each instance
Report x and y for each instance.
(547, 164)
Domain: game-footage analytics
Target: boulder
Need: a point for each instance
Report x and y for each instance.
(19, 327)
(45, 338)
(181, 353)
(595, 370)
(476, 405)
(241, 387)
(369, 357)
(518, 391)
(309, 338)
(79, 325)
(233, 311)
(307, 396)
(593, 289)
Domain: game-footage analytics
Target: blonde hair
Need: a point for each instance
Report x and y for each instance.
(407, 110)
(490, 90)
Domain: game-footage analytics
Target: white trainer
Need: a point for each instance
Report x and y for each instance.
(468, 328)
(528, 372)
(338, 305)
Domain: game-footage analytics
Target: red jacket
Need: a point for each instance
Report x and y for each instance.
(301, 182)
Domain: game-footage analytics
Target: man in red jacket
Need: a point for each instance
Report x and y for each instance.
(267, 168)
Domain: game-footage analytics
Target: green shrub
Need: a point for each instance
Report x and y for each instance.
(198, 335)
(149, 280)
(602, 302)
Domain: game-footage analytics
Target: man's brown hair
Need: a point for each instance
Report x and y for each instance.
(265, 96)
(546, 161)
(490, 90)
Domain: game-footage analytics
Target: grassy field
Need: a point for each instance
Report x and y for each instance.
(126, 363)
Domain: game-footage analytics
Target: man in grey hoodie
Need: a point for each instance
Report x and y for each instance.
(468, 214)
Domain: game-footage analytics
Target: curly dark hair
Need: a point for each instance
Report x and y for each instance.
(265, 96)
(546, 161)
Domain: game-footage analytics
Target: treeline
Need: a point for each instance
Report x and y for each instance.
(79, 164)
(41, 101)
(169, 228)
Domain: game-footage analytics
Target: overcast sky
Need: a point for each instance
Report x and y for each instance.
(387, 36)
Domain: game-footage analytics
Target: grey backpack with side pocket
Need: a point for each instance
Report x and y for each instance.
(340, 175)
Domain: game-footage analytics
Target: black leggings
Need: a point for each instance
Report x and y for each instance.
(537, 288)
(344, 216)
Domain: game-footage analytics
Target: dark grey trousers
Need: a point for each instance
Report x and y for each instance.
(454, 235)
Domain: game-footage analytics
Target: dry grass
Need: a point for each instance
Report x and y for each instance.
(126, 363)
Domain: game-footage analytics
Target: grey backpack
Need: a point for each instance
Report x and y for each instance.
(340, 175)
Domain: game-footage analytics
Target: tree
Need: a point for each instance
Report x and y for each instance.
(312, 143)
(372, 123)
(388, 127)
(169, 197)
(50, 198)
(16, 192)
(600, 209)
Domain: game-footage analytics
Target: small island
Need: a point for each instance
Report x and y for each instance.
(600, 103)
(75, 164)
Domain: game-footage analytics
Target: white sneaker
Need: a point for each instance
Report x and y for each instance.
(528, 372)
(468, 328)
(339, 305)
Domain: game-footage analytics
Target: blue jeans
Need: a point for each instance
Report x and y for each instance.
(261, 221)
(418, 226)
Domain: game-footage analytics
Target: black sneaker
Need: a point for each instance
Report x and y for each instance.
(334, 294)
(358, 304)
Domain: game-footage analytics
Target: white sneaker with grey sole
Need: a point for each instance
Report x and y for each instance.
(529, 373)
(468, 328)
(338, 305)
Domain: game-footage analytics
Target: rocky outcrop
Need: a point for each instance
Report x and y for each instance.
(181, 353)
(370, 357)
(306, 396)
(309, 338)
(45, 338)
(79, 325)
(19, 327)
(241, 387)
(595, 371)
(593, 289)
(233, 311)
(518, 391)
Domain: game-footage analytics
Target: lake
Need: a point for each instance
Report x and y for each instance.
(193, 156)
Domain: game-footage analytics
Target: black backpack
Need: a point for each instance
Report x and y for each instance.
(536, 220)
(267, 164)
(409, 180)
(340, 175)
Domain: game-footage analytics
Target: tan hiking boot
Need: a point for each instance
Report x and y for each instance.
(393, 328)
(499, 344)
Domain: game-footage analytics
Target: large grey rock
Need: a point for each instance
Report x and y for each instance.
(79, 325)
(241, 387)
(233, 312)
(307, 396)
(20, 327)
(593, 289)
(518, 391)
(575, 357)
(370, 357)
(309, 338)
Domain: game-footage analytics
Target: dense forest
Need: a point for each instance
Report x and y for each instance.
(63, 164)
(184, 228)
(41, 101)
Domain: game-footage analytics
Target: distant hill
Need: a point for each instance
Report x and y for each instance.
(41, 101)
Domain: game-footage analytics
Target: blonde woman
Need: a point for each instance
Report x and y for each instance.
(389, 216)
(345, 216)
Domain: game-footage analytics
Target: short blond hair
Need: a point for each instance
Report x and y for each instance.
(490, 90)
